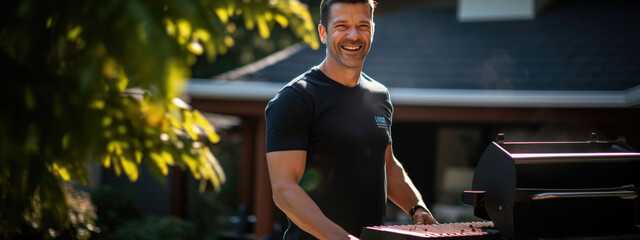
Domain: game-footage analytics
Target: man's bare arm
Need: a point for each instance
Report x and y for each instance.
(402, 192)
(285, 170)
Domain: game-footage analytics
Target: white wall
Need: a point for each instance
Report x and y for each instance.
(492, 10)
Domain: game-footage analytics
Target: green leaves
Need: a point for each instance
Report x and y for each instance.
(101, 81)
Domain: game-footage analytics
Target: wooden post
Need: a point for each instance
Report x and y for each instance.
(263, 206)
(177, 191)
(247, 160)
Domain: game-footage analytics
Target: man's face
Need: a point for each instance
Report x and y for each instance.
(349, 34)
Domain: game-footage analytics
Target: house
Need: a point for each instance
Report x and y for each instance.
(554, 71)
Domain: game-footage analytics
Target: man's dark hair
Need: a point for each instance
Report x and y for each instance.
(325, 5)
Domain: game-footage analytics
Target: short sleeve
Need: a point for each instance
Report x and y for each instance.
(288, 117)
(389, 117)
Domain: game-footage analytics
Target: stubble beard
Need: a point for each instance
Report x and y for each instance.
(348, 61)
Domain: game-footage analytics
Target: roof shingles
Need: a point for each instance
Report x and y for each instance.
(581, 46)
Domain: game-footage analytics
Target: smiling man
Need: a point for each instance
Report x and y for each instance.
(332, 124)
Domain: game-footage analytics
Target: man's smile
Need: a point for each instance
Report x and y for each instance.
(351, 47)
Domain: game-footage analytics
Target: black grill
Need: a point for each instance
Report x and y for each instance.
(557, 189)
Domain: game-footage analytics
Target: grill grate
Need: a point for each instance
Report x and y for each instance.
(445, 230)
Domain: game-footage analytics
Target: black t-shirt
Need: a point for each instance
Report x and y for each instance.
(345, 132)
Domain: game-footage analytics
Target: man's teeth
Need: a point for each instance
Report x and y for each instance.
(351, 48)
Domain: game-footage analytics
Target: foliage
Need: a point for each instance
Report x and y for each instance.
(82, 217)
(205, 208)
(100, 81)
(152, 228)
(114, 208)
(249, 46)
(119, 218)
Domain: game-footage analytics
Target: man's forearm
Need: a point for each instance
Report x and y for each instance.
(405, 195)
(400, 188)
(301, 209)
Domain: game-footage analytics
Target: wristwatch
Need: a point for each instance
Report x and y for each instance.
(414, 208)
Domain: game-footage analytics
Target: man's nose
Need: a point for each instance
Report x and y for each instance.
(352, 33)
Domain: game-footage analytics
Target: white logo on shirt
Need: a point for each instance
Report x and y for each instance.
(380, 122)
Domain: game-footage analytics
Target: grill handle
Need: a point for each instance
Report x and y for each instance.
(556, 195)
(473, 198)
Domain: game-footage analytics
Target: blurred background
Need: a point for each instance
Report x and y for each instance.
(459, 72)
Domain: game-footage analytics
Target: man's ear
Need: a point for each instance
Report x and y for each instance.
(373, 29)
(322, 32)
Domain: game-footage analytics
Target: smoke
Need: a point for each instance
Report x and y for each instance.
(493, 72)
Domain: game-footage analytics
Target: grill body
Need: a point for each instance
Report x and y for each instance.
(555, 189)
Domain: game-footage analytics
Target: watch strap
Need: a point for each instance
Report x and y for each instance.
(416, 207)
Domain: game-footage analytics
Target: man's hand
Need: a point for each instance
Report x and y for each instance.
(422, 216)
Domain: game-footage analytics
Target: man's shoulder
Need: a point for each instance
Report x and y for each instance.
(301, 83)
(296, 88)
(373, 85)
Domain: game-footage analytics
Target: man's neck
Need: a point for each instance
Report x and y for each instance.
(346, 76)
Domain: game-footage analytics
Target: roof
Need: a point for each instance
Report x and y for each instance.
(573, 54)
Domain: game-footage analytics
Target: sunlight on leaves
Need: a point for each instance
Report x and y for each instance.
(195, 48)
(180, 103)
(130, 168)
(170, 27)
(206, 126)
(62, 172)
(74, 33)
(184, 30)
(228, 41)
(98, 81)
(168, 158)
(248, 19)
(189, 126)
(97, 104)
(65, 141)
(177, 73)
(222, 14)
(282, 20)
(192, 164)
(117, 166)
(106, 121)
(263, 27)
(155, 114)
(106, 161)
(160, 162)
(215, 165)
(110, 68)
